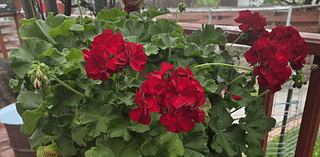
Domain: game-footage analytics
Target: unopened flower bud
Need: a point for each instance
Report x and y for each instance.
(37, 84)
(39, 74)
(314, 67)
(32, 78)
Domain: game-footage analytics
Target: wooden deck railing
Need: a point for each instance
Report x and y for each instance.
(311, 114)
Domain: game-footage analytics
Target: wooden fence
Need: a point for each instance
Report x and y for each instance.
(303, 21)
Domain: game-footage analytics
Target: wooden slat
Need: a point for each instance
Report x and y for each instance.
(311, 116)
(3, 46)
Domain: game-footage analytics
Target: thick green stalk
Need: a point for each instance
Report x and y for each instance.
(223, 64)
(65, 85)
(177, 14)
(137, 75)
(83, 71)
(262, 94)
(81, 19)
(240, 36)
(240, 76)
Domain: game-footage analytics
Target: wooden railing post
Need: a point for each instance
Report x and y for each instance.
(18, 16)
(311, 115)
(268, 104)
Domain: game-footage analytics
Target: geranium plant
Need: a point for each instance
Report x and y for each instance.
(121, 86)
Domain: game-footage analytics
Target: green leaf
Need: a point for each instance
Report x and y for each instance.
(126, 98)
(161, 26)
(133, 39)
(60, 99)
(254, 150)
(68, 42)
(115, 147)
(76, 27)
(77, 134)
(89, 33)
(51, 127)
(66, 145)
(37, 29)
(150, 147)
(36, 139)
(170, 145)
(28, 101)
(239, 90)
(27, 55)
(195, 142)
(254, 123)
(97, 117)
(111, 14)
(165, 41)
(55, 21)
(231, 140)
(220, 119)
(137, 28)
(118, 127)
(154, 12)
(150, 49)
(74, 55)
(138, 127)
(63, 29)
(49, 150)
(210, 86)
(209, 35)
(30, 118)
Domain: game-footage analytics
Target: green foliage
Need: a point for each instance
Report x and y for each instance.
(209, 3)
(91, 118)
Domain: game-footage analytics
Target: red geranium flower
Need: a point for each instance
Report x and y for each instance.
(109, 55)
(152, 93)
(178, 120)
(182, 92)
(160, 74)
(294, 43)
(248, 20)
(137, 58)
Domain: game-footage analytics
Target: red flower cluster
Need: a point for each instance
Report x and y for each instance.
(272, 54)
(131, 5)
(109, 55)
(179, 92)
(254, 21)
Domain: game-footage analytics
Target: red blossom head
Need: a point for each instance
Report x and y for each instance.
(110, 54)
(177, 96)
(254, 22)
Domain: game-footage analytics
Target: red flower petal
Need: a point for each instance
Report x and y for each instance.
(236, 97)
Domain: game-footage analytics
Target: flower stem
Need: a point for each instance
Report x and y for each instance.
(169, 55)
(262, 94)
(32, 9)
(240, 36)
(223, 64)
(177, 14)
(65, 85)
(117, 83)
(240, 76)
(83, 71)
(81, 19)
(137, 75)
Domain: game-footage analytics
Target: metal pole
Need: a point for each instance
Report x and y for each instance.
(284, 122)
(289, 16)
